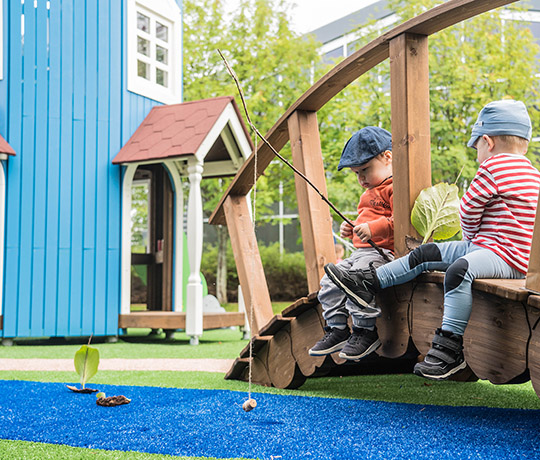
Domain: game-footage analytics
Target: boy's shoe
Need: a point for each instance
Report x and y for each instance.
(445, 357)
(361, 343)
(334, 340)
(358, 285)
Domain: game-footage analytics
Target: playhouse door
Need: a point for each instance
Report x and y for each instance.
(152, 242)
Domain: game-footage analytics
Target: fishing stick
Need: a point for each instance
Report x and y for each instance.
(284, 160)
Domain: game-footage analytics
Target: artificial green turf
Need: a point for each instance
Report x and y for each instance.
(401, 388)
(26, 450)
(219, 343)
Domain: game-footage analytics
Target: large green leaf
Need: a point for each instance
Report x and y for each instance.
(436, 212)
(86, 363)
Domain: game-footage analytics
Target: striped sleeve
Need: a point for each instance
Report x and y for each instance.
(482, 189)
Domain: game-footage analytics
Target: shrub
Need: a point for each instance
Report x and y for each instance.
(285, 274)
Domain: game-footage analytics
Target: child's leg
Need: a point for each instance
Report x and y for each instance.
(364, 338)
(432, 256)
(445, 357)
(332, 299)
(365, 316)
(478, 263)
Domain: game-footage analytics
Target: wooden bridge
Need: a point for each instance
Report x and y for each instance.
(502, 341)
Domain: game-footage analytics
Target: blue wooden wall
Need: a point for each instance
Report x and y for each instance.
(68, 114)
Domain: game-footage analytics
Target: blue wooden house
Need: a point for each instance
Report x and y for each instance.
(77, 78)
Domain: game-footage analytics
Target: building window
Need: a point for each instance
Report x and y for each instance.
(154, 50)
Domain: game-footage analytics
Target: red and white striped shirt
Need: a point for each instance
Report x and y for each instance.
(498, 210)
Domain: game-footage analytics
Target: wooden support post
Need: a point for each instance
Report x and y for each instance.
(248, 261)
(315, 219)
(409, 74)
(533, 275)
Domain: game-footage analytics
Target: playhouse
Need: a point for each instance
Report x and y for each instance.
(78, 79)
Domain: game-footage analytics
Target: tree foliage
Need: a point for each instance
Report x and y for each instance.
(485, 58)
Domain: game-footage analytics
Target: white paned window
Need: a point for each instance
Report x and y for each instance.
(155, 50)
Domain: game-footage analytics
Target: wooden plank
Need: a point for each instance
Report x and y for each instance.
(533, 352)
(534, 301)
(248, 262)
(367, 57)
(496, 339)
(177, 320)
(259, 342)
(304, 329)
(393, 324)
(533, 273)
(237, 369)
(300, 306)
(409, 81)
(282, 368)
(274, 325)
(314, 213)
(425, 314)
(504, 288)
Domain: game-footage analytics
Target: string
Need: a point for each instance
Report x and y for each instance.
(252, 307)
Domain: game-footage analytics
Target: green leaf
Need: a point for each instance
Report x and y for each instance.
(86, 363)
(101, 394)
(436, 212)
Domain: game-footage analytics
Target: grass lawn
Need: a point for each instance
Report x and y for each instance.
(227, 343)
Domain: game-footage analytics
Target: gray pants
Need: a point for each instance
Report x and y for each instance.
(336, 306)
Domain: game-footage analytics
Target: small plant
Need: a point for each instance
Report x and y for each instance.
(86, 364)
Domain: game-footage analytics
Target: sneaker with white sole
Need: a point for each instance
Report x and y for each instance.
(444, 359)
(358, 285)
(361, 343)
(334, 340)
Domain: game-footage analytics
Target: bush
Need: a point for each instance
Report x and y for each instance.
(285, 275)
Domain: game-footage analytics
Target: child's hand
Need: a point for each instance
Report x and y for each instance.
(345, 230)
(363, 231)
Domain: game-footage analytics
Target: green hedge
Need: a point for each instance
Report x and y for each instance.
(285, 274)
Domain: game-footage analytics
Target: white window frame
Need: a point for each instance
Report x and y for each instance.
(168, 13)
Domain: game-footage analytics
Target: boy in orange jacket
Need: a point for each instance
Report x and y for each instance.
(369, 155)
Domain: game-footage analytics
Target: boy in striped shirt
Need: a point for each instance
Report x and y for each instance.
(497, 218)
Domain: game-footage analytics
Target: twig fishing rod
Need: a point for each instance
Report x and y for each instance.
(288, 163)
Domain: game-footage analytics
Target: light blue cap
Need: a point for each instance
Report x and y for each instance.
(502, 118)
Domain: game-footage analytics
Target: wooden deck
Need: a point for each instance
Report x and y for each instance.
(177, 320)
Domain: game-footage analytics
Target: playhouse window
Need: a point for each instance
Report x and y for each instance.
(154, 50)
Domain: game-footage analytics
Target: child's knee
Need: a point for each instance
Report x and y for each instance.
(425, 253)
(455, 274)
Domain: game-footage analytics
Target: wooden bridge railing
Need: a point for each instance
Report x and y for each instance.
(407, 47)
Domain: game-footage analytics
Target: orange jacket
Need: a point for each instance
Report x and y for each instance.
(376, 208)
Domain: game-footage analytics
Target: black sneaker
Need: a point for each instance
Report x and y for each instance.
(358, 285)
(445, 357)
(334, 340)
(361, 343)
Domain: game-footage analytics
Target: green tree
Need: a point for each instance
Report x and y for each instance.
(273, 65)
(485, 58)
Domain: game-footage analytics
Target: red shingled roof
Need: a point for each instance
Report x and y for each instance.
(5, 147)
(175, 130)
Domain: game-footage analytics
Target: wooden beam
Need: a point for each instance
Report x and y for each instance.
(314, 213)
(533, 274)
(177, 320)
(409, 85)
(432, 21)
(248, 262)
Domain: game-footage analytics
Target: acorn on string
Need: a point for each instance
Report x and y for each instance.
(250, 404)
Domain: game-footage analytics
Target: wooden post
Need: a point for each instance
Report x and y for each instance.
(248, 261)
(533, 275)
(409, 74)
(315, 219)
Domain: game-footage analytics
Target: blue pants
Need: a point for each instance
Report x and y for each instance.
(463, 262)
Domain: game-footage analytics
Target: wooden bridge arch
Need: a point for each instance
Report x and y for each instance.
(281, 342)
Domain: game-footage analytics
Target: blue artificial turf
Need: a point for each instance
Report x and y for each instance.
(211, 423)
